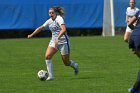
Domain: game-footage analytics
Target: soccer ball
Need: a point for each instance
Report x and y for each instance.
(42, 75)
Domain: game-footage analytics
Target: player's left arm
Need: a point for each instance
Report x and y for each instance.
(131, 22)
(61, 23)
(63, 30)
(61, 33)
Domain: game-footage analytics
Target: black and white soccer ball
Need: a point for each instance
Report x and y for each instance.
(42, 75)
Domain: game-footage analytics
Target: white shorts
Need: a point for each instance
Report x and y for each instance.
(63, 48)
(128, 29)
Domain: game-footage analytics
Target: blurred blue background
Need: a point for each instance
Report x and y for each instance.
(29, 14)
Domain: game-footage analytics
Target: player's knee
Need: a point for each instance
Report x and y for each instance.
(137, 52)
(138, 55)
(125, 40)
(48, 57)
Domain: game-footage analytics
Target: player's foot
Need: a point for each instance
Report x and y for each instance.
(76, 69)
(49, 78)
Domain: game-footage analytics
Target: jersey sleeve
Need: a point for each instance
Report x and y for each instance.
(127, 11)
(60, 21)
(46, 23)
(137, 14)
(137, 9)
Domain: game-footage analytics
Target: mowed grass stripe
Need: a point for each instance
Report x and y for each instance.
(106, 66)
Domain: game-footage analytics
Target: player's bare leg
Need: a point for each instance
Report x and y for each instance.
(127, 36)
(71, 63)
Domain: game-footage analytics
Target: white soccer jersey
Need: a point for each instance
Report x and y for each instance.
(131, 12)
(54, 26)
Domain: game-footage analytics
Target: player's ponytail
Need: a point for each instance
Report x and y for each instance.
(59, 10)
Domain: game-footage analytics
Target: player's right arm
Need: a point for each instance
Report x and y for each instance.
(36, 31)
(126, 20)
(39, 29)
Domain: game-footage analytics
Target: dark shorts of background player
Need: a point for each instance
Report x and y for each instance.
(134, 42)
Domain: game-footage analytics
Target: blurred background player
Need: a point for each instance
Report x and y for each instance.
(130, 12)
(134, 44)
(59, 40)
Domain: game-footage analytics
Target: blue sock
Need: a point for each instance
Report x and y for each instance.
(132, 90)
(137, 83)
(138, 77)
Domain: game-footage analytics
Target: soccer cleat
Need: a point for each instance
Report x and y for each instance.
(49, 78)
(76, 69)
(132, 90)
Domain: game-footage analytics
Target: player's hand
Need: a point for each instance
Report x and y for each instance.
(56, 41)
(30, 36)
(127, 21)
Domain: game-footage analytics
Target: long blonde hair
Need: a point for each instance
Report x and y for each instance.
(58, 10)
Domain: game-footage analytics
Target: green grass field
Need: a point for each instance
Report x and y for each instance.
(106, 66)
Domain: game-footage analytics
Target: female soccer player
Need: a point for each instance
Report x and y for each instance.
(134, 44)
(59, 40)
(130, 12)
